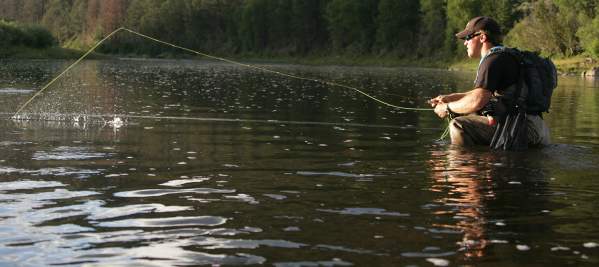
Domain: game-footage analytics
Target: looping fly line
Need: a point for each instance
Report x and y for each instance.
(212, 57)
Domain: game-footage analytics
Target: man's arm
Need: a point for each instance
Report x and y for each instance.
(471, 101)
(446, 98)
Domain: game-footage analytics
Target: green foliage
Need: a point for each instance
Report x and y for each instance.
(396, 22)
(37, 36)
(254, 27)
(548, 29)
(589, 37)
(406, 29)
(432, 28)
(146, 16)
(77, 16)
(56, 19)
(309, 24)
(459, 12)
(9, 34)
(503, 11)
(352, 24)
(34, 36)
(586, 8)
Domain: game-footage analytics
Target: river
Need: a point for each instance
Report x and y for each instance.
(179, 162)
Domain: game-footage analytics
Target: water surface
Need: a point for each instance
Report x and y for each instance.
(164, 163)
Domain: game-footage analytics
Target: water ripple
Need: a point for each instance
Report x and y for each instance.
(106, 213)
(334, 262)
(12, 143)
(68, 153)
(65, 229)
(28, 184)
(167, 222)
(179, 183)
(167, 254)
(44, 196)
(344, 249)
(243, 198)
(162, 192)
(365, 211)
(221, 243)
(58, 171)
(275, 196)
(11, 90)
(427, 255)
(336, 173)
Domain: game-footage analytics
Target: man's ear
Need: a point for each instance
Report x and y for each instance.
(483, 38)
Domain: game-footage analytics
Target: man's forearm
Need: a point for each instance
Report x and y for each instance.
(453, 97)
(470, 102)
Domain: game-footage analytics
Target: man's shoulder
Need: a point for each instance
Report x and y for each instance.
(502, 58)
(506, 52)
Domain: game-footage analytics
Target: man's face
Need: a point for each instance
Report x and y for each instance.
(473, 46)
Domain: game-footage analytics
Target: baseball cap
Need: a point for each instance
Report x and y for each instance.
(487, 24)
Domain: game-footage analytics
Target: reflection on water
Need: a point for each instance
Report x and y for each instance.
(463, 185)
(473, 183)
(174, 163)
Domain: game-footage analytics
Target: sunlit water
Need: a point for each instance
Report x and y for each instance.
(174, 163)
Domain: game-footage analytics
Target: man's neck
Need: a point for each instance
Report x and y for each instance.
(486, 49)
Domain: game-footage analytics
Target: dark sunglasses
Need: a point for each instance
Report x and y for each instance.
(472, 35)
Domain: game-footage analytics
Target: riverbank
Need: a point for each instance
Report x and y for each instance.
(348, 60)
(47, 53)
(572, 66)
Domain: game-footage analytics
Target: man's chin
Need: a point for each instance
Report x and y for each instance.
(472, 55)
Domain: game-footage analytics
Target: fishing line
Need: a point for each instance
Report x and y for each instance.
(66, 70)
(445, 132)
(74, 117)
(334, 84)
(212, 57)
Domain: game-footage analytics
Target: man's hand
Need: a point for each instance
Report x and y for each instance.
(437, 100)
(441, 109)
(440, 105)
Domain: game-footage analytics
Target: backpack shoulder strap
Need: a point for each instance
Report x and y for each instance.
(521, 90)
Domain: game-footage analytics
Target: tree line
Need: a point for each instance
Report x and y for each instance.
(13, 34)
(392, 28)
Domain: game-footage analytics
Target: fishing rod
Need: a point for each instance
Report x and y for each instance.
(330, 83)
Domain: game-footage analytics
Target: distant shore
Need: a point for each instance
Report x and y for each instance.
(573, 66)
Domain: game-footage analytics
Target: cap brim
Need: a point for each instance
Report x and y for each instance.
(463, 34)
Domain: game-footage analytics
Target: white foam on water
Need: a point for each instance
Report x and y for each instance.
(116, 122)
(438, 261)
(161, 192)
(167, 222)
(180, 182)
(560, 248)
(522, 247)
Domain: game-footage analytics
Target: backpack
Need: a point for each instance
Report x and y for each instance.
(538, 79)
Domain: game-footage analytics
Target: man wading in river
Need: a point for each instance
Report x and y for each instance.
(472, 114)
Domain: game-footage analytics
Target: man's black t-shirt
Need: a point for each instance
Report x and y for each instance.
(497, 72)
